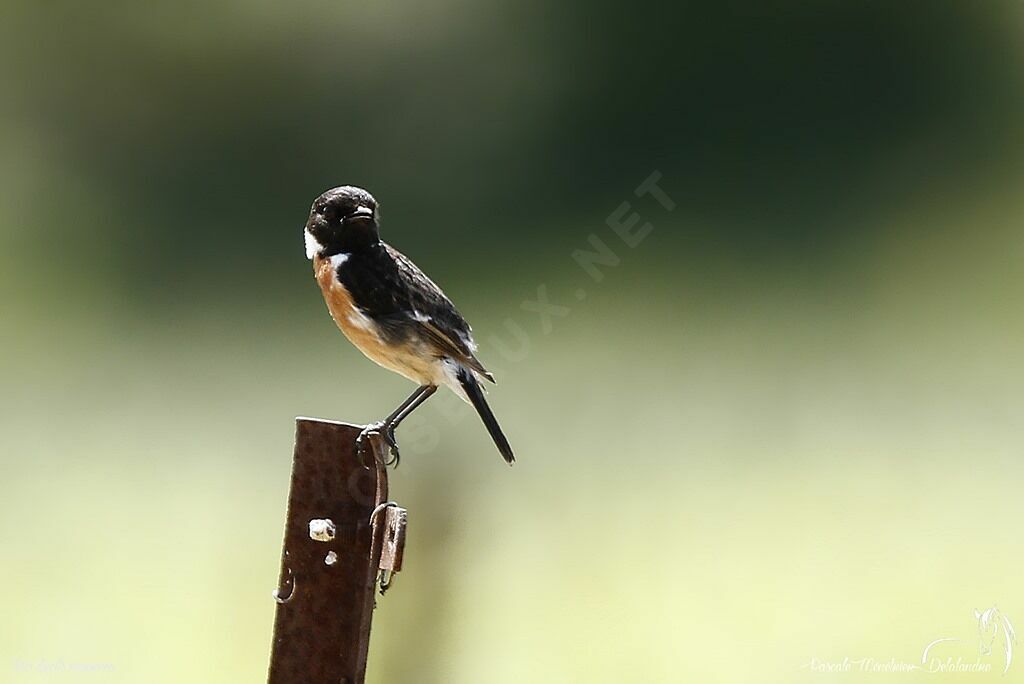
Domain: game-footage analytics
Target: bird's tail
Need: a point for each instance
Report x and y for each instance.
(476, 397)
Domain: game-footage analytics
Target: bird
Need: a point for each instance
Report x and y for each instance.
(392, 312)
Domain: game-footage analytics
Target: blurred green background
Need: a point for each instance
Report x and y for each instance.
(785, 427)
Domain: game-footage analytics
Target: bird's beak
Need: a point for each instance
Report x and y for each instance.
(360, 214)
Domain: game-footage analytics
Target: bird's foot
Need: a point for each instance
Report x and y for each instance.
(387, 432)
(364, 436)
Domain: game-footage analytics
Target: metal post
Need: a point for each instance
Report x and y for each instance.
(331, 557)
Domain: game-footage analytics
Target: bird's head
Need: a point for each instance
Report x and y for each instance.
(342, 220)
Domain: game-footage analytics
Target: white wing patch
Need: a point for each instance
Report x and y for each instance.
(421, 317)
(338, 259)
(312, 246)
(468, 341)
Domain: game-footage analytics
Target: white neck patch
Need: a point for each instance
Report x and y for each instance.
(312, 246)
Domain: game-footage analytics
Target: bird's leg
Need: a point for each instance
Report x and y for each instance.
(399, 414)
(386, 427)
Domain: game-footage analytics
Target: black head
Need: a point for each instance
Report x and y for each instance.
(342, 220)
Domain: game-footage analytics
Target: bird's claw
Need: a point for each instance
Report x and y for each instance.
(364, 434)
(387, 432)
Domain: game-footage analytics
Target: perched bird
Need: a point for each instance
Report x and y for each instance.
(391, 311)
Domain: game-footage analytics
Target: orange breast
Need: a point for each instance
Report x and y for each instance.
(407, 359)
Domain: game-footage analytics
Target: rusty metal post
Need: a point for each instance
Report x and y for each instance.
(330, 560)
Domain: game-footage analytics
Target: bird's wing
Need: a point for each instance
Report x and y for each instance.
(435, 316)
(453, 349)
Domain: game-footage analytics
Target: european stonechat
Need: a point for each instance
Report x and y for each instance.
(391, 311)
